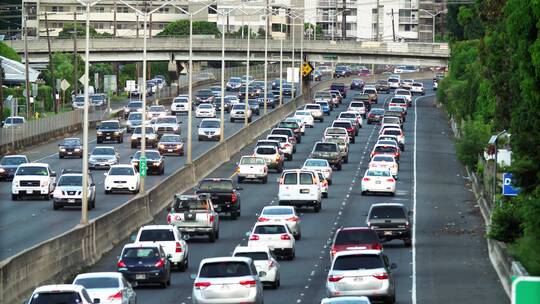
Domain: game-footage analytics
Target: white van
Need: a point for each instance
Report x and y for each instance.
(300, 188)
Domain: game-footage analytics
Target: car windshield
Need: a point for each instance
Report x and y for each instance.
(392, 132)
(288, 124)
(270, 229)
(277, 211)
(377, 111)
(156, 235)
(381, 158)
(135, 116)
(287, 86)
(121, 171)
(252, 161)
(302, 113)
(97, 97)
(210, 124)
(369, 91)
(70, 180)
(290, 179)
(186, 205)
(347, 115)
(137, 104)
(56, 297)
(103, 151)
(358, 262)
(72, 142)
(255, 256)
(216, 185)
(325, 147)
(416, 84)
(166, 120)
(140, 252)
(266, 150)
(313, 107)
(282, 132)
(151, 155)
(387, 212)
(109, 125)
(235, 79)
(225, 269)
(13, 161)
(356, 236)
(379, 173)
(205, 106)
(204, 93)
(180, 100)
(157, 109)
(98, 283)
(278, 138)
(393, 80)
(170, 138)
(316, 163)
(79, 99)
(323, 103)
(14, 120)
(239, 106)
(322, 95)
(33, 170)
(403, 92)
(357, 105)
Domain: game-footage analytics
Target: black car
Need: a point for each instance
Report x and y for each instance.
(110, 130)
(145, 264)
(258, 86)
(70, 147)
(154, 162)
(287, 89)
(132, 106)
(252, 93)
(382, 85)
(375, 115)
(391, 222)
(254, 106)
(204, 96)
(226, 104)
(271, 100)
(171, 144)
(341, 71)
(357, 84)
(224, 195)
(9, 164)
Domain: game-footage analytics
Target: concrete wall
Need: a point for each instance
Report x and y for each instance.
(61, 257)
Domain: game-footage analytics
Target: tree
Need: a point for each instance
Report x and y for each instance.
(63, 69)
(181, 28)
(310, 29)
(69, 28)
(8, 52)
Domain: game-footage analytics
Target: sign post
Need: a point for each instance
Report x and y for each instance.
(526, 290)
(142, 166)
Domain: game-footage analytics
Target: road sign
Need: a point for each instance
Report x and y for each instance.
(82, 79)
(142, 166)
(306, 69)
(508, 188)
(64, 84)
(526, 290)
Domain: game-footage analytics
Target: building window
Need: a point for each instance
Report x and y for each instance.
(98, 25)
(122, 9)
(122, 26)
(99, 9)
(212, 9)
(80, 9)
(31, 11)
(164, 10)
(57, 9)
(276, 27)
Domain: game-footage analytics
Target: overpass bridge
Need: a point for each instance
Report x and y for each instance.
(208, 49)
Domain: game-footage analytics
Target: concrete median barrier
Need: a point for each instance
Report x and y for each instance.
(60, 258)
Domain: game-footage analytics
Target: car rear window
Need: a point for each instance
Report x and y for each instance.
(270, 229)
(156, 235)
(385, 149)
(252, 161)
(255, 256)
(306, 179)
(282, 132)
(121, 171)
(225, 270)
(265, 150)
(277, 211)
(398, 100)
(347, 115)
(98, 282)
(140, 252)
(358, 262)
(278, 138)
(313, 107)
(216, 185)
(387, 212)
(325, 147)
(393, 80)
(369, 91)
(378, 173)
(189, 205)
(345, 125)
(357, 104)
(290, 179)
(357, 236)
(56, 297)
(380, 158)
(392, 132)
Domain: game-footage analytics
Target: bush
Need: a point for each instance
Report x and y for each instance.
(6, 113)
(505, 223)
(526, 251)
(475, 135)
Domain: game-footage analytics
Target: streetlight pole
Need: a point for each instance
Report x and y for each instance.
(143, 122)
(247, 77)
(190, 90)
(281, 66)
(433, 16)
(222, 114)
(302, 56)
(293, 74)
(266, 58)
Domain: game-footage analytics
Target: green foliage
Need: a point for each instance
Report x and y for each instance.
(505, 223)
(318, 29)
(8, 52)
(64, 65)
(69, 29)
(181, 28)
(238, 33)
(44, 99)
(475, 135)
(7, 113)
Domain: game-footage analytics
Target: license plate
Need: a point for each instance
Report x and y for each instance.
(378, 182)
(304, 190)
(108, 137)
(169, 150)
(388, 233)
(140, 276)
(251, 176)
(71, 200)
(358, 279)
(28, 191)
(70, 153)
(209, 136)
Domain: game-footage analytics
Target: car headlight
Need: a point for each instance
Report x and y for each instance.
(2, 170)
(133, 137)
(77, 150)
(162, 146)
(178, 146)
(62, 150)
(44, 183)
(99, 133)
(116, 133)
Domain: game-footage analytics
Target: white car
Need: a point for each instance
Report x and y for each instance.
(251, 167)
(395, 132)
(284, 144)
(405, 94)
(205, 110)
(33, 179)
(399, 69)
(306, 117)
(353, 116)
(315, 110)
(167, 124)
(150, 135)
(386, 162)
(274, 235)
(321, 165)
(394, 83)
(61, 293)
(180, 104)
(108, 287)
(378, 180)
(122, 178)
(300, 188)
(209, 129)
(233, 99)
(358, 107)
(346, 300)
(418, 88)
(283, 214)
(14, 122)
(407, 83)
(68, 191)
(266, 264)
(170, 239)
(156, 111)
(239, 112)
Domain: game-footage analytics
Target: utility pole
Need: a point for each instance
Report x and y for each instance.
(51, 65)
(344, 21)
(149, 67)
(378, 20)
(393, 27)
(2, 91)
(116, 64)
(76, 61)
(114, 20)
(26, 70)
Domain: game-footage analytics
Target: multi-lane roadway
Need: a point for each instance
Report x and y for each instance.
(447, 263)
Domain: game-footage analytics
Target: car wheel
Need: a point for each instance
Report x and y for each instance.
(107, 192)
(299, 140)
(325, 195)
(317, 207)
(99, 141)
(329, 182)
(133, 146)
(232, 120)
(92, 204)
(407, 242)
(233, 215)
(60, 156)
(249, 119)
(390, 300)
(298, 237)
(56, 206)
(265, 180)
(353, 140)
(364, 192)
(289, 157)
(280, 168)
(14, 197)
(346, 160)
(46, 197)
(275, 284)
(339, 167)
(239, 180)
(212, 237)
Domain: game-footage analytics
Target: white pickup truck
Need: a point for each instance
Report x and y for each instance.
(251, 167)
(194, 215)
(170, 239)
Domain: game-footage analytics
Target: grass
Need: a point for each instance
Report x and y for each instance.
(526, 251)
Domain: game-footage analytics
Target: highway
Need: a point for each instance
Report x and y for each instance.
(443, 266)
(29, 222)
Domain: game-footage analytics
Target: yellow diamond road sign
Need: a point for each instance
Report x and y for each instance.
(306, 69)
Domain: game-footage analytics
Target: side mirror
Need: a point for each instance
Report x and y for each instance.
(53, 174)
(105, 174)
(96, 301)
(248, 233)
(193, 276)
(92, 184)
(133, 237)
(393, 266)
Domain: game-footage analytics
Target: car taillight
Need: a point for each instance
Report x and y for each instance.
(159, 263)
(211, 218)
(178, 247)
(287, 145)
(248, 283)
(293, 219)
(234, 197)
(333, 251)
(121, 264)
(334, 278)
(116, 296)
(381, 276)
(201, 285)
(285, 237)
(263, 219)
(366, 179)
(391, 180)
(377, 246)
(169, 218)
(254, 237)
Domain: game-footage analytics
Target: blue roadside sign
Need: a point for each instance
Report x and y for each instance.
(508, 188)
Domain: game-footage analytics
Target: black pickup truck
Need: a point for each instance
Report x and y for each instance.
(391, 222)
(223, 193)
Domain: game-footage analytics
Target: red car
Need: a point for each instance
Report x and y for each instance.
(355, 238)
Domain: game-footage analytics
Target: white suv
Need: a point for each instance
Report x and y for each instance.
(33, 179)
(275, 236)
(300, 188)
(122, 178)
(170, 239)
(180, 104)
(68, 191)
(238, 112)
(62, 293)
